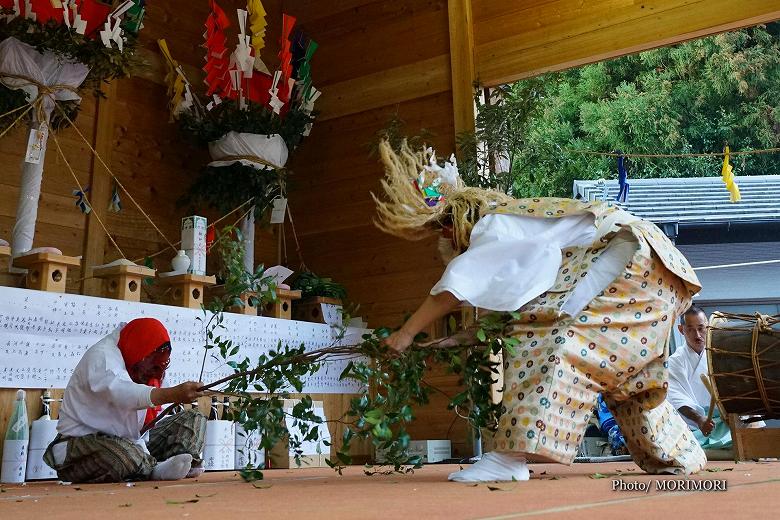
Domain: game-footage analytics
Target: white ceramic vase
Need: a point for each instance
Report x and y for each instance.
(180, 262)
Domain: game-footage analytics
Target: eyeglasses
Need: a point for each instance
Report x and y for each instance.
(162, 356)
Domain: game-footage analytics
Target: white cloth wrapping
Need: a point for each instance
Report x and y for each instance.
(513, 259)
(270, 148)
(47, 68)
(685, 385)
(101, 397)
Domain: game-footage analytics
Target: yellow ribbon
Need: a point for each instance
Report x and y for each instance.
(173, 78)
(727, 172)
(257, 24)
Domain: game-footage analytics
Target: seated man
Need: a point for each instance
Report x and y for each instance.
(114, 391)
(687, 392)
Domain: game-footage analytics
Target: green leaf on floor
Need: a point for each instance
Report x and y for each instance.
(715, 470)
(598, 475)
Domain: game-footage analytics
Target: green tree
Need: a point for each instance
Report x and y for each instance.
(691, 98)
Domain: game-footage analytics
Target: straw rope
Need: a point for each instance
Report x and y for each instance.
(84, 193)
(118, 182)
(672, 155)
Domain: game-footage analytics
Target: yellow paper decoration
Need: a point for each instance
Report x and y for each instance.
(256, 24)
(173, 78)
(727, 172)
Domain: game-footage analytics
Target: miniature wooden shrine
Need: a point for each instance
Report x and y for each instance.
(187, 289)
(46, 271)
(123, 282)
(282, 307)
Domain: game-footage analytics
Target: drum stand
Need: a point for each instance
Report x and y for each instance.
(753, 443)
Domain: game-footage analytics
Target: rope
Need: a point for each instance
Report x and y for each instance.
(754, 355)
(43, 91)
(762, 324)
(9, 127)
(118, 182)
(672, 155)
(295, 236)
(73, 174)
(220, 219)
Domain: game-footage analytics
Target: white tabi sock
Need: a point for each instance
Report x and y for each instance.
(196, 471)
(494, 466)
(174, 468)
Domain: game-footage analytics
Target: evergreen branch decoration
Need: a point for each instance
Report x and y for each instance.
(261, 386)
(104, 63)
(254, 119)
(312, 285)
(227, 187)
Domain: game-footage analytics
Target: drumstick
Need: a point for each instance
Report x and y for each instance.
(708, 386)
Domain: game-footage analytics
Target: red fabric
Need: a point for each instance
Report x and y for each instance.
(151, 413)
(137, 340)
(141, 337)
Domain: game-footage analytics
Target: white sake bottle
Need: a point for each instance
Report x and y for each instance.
(17, 439)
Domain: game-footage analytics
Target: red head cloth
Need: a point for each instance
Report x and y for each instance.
(141, 337)
(137, 340)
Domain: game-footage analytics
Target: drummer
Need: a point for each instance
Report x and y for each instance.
(687, 392)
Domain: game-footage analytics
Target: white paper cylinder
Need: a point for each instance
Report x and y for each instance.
(14, 461)
(248, 450)
(20, 59)
(219, 453)
(27, 208)
(42, 432)
(248, 232)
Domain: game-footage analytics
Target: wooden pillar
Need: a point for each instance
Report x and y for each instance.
(462, 63)
(100, 183)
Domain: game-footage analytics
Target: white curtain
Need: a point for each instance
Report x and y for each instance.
(48, 69)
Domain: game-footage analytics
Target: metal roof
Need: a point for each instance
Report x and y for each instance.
(691, 199)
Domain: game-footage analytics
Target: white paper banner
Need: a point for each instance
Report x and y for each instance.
(43, 336)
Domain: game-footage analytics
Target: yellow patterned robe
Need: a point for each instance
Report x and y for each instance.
(617, 345)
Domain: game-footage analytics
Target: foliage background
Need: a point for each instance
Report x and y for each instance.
(690, 98)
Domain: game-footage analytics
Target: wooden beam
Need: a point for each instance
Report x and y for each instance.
(384, 88)
(462, 64)
(99, 192)
(548, 39)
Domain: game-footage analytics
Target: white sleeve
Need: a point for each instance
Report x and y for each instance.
(678, 393)
(511, 260)
(117, 387)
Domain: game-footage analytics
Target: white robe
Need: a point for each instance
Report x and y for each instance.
(685, 385)
(512, 259)
(101, 397)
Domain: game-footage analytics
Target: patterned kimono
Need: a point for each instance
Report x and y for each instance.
(617, 346)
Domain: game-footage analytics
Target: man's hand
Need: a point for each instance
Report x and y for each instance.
(183, 393)
(399, 341)
(706, 426)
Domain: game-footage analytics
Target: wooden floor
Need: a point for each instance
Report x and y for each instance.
(577, 491)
